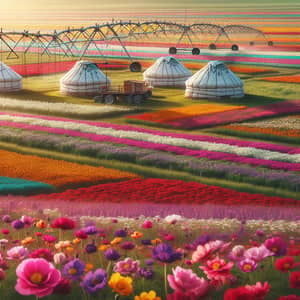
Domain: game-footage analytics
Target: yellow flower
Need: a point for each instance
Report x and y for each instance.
(116, 241)
(27, 240)
(103, 247)
(156, 241)
(41, 224)
(76, 241)
(121, 284)
(147, 296)
(88, 267)
(136, 235)
(70, 249)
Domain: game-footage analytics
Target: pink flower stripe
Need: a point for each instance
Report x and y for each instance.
(280, 108)
(206, 138)
(211, 155)
(57, 67)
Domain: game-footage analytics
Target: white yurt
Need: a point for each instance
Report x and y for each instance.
(214, 80)
(10, 81)
(85, 78)
(167, 72)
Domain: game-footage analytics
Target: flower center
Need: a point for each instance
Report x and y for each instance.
(72, 271)
(247, 267)
(126, 266)
(287, 266)
(36, 278)
(274, 249)
(216, 266)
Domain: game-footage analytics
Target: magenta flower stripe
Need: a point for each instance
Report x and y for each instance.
(206, 138)
(211, 155)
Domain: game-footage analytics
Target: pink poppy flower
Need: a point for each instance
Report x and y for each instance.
(218, 271)
(17, 253)
(186, 282)
(205, 251)
(36, 276)
(258, 253)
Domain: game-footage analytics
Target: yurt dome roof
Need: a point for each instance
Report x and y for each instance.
(7, 74)
(83, 73)
(214, 75)
(214, 80)
(167, 67)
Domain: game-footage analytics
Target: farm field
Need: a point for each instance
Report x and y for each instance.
(149, 191)
(93, 161)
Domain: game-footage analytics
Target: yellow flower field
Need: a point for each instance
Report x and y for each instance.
(56, 172)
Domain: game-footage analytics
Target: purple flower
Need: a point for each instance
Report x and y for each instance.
(90, 248)
(146, 242)
(17, 224)
(27, 220)
(74, 269)
(6, 219)
(146, 273)
(127, 266)
(89, 230)
(201, 240)
(111, 254)
(165, 253)
(94, 281)
(127, 245)
(149, 261)
(277, 245)
(121, 233)
(247, 265)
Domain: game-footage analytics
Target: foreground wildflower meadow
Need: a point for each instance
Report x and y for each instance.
(47, 255)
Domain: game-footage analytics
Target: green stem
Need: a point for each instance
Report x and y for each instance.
(108, 267)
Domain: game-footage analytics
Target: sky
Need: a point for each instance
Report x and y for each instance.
(58, 14)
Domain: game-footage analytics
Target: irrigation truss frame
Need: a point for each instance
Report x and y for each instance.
(77, 41)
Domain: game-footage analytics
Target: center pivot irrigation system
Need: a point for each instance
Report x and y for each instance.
(94, 40)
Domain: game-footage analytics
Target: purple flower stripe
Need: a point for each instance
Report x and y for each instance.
(206, 138)
(211, 155)
(10, 204)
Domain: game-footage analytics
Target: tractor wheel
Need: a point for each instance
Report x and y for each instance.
(195, 51)
(234, 47)
(129, 99)
(212, 46)
(98, 99)
(148, 94)
(172, 50)
(135, 67)
(137, 99)
(109, 99)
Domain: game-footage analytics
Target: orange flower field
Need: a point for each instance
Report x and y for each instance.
(273, 131)
(56, 172)
(176, 113)
(290, 79)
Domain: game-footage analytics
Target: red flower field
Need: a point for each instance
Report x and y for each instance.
(164, 191)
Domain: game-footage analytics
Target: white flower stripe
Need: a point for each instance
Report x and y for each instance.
(140, 136)
(75, 109)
